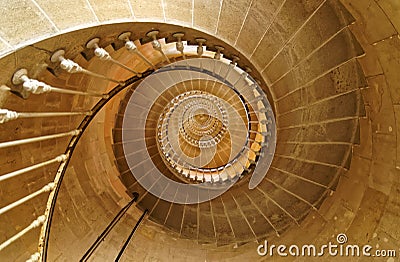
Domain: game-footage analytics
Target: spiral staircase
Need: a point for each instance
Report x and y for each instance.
(294, 94)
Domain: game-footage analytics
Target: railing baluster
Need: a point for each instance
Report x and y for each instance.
(232, 65)
(8, 115)
(131, 47)
(104, 55)
(121, 252)
(73, 67)
(156, 44)
(34, 86)
(217, 56)
(179, 44)
(219, 49)
(260, 133)
(34, 258)
(235, 60)
(5, 88)
(46, 188)
(37, 139)
(58, 159)
(73, 92)
(108, 229)
(36, 223)
(29, 85)
(200, 48)
(51, 114)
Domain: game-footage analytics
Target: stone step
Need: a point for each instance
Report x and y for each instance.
(190, 224)
(276, 218)
(206, 232)
(288, 203)
(300, 44)
(175, 217)
(240, 227)
(160, 211)
(252, 215)
(223, 230)
(256, 220)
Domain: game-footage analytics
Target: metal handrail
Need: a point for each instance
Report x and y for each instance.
(77, 134)
(45, 231)
(138, 223)
(108, 229)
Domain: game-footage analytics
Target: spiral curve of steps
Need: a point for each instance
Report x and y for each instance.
(315, 94)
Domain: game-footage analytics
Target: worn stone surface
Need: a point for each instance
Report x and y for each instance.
(110, 10)
(315, 33)
(180, 10)
(391, 10)
(68, 14)
(367, 217)
(378, 102)
(231, 19)
(206, 15)
(259, 18)
(290, 18)
(149, 10)
(29, 22)
(376, 25)
(389, 58)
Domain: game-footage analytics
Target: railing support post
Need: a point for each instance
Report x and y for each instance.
(8, 115)
(179, 44)
(38, 139)
(156, 44)
(102, 54)
(200, 48)
(25, 86)
(131, 47)
(59, 159)
(121, 252)
(73, 67)
(36, 223)
(46, 188)
(108, 229)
